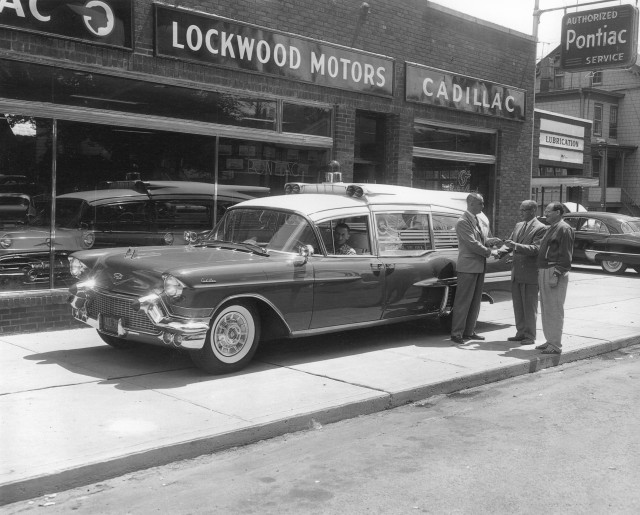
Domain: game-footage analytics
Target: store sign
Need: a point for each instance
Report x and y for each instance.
(445, 89)
(561, 141)
(105, 22)
(600, 38)
(209, 39)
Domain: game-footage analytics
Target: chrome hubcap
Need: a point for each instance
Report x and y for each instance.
(231, 334)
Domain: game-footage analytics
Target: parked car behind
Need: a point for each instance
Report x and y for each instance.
(271, 268)
(610, 240)
(120, 213)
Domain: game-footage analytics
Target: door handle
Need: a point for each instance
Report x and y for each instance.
(377, 266)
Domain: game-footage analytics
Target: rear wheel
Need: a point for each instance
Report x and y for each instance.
(115, 341)
(232, 340)
(613, 267)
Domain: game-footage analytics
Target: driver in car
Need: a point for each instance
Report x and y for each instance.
(340, 237)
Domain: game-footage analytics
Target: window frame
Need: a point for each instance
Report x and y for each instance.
(597, 119)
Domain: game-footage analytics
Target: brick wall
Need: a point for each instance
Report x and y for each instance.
(29, 312)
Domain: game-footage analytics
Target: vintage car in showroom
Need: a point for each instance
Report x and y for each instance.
(25, 243)
(611, 240)
(321, 258)
(114, 214)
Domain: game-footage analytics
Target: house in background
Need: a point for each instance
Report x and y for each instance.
(610, 98)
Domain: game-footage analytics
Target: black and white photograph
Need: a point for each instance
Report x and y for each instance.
(319, 257)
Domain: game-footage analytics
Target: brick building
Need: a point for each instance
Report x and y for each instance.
(258, 93)
(610, 99)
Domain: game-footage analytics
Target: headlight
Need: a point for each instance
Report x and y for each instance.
(172, 287)
(6, 241)
(88, 239)
(76, 267)
(168, 238)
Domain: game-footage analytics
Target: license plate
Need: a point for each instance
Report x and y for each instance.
(109, 324)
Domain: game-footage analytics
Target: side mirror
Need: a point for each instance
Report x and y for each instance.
(191, 237)
(304, 251)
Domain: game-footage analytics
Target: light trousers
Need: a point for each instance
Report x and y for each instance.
(552, 306)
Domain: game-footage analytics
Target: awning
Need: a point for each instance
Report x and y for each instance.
(537, 182)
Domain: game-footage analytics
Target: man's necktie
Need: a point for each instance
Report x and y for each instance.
(523, 231)
(480, 229)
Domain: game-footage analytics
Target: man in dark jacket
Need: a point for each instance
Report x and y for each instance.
(554, 263)
(524, 243)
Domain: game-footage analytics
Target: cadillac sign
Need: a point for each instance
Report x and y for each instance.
(445, 89)
(104, 22)
(600, 38)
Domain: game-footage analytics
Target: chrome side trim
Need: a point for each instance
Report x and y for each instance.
(360, 325)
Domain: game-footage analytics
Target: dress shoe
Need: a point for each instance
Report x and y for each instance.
(458, 340)
(515, 338)
(527, 341)
(473, 336)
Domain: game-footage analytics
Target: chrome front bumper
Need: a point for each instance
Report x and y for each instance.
(158, 326)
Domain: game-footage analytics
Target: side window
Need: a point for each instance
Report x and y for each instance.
(573, 222)
(602, 227)
(444, 231)
(346, 236)
(123, 216)
(403, 233)
(184, 215)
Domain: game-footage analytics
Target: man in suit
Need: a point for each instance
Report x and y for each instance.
(524, 243)
(474, 245)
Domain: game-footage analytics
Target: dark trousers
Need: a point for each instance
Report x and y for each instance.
(525, 308)
(466, 306)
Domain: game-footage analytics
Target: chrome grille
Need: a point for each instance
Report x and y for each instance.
(120, 307)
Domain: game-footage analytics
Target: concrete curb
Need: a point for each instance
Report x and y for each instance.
(100, 471)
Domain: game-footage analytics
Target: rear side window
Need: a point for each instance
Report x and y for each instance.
(403, 233)
(593, 225)
(184, 215)
(444, 231)
(122, 216)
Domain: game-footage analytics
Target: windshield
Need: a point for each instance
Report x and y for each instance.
(269, 228)
(630, 226)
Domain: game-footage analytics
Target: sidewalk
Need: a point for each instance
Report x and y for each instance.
(75, 411)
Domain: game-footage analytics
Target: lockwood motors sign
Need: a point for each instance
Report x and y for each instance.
(445, 89)
(209, 39)
(105, 22)
(601, 38)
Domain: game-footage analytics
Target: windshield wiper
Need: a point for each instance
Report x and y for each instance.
(244, 246)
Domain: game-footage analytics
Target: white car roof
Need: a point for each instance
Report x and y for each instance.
(317, 198)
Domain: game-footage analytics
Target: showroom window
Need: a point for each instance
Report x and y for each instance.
(175, 161)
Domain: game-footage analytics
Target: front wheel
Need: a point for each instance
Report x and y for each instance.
(613, 267)
(231, 341)
(115, 341)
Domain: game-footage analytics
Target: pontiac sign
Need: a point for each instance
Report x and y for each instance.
(209, 39)
(440, 88)
(600, 38)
